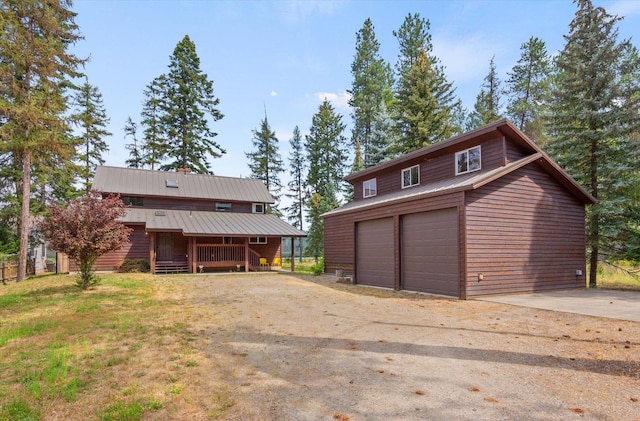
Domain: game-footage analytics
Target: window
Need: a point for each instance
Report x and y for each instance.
(132, 201)
(258, 208)
(468, 161)
(369, 188)
(257, 240)
(223, 207)
(411, 176)
(172, 183)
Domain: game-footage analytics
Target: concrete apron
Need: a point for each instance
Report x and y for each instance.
(623, 305)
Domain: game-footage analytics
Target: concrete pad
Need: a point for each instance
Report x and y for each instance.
(614, 304)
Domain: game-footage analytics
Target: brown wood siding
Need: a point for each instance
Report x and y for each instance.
(515, 152)
(173, 203)
(269, 251)
(137, 248)
(339, 244)
(524, 233)
(438, 167)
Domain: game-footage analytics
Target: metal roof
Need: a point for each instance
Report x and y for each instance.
(141, 182)
(230, 224)
(449, 185)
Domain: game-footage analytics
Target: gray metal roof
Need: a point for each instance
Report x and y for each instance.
(212, 223)
(449, 185)
(141, 182)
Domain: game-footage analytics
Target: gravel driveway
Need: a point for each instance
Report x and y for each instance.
(307, 348)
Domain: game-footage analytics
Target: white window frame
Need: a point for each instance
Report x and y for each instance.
(255, 206)
(370, 186)
(257, 240)
(409, 170)
(464, 155)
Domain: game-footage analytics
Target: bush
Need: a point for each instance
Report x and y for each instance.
(318, 268)
(134, 266)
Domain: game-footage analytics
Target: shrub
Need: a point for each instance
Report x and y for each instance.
(318, 268)
(134, 266)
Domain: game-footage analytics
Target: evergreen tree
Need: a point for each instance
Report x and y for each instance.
(34, 62)
(190, 103)
(297, 170)
(265, 162)
(425, 99)
(371, 86)
(326, 154)
(92, 120)
(487, 107)
(135, 154)
(594, 116)
(383, 138)
(529, 89)
(154, 142)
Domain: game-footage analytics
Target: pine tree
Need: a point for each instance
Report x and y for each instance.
(487, 107)
(529, 89)
(371, 86)
(297, 193)
(190, 103)
(135, 154)
(425, 99)
(383, 138)
(154, 142)
(265, 162)
(326, 154)
(594, 116)
(92, 121)
(33, 65)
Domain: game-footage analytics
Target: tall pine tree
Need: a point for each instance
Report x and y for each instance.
(190, 106)
(371, 87)
(487, 108)
(326, 154)
(594, 116)
(135, 159)
(296, 187)
(154, 142)
(529, 89)
(91, 118)
(34, 62)
(265, 162)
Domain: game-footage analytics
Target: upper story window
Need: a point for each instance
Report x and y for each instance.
(468, 161)
(369, 188)
(411, 176)
(223, 206)
(257, 208)
(257, 240)
(134, 201)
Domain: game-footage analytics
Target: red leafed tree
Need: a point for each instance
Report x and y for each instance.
(85, 229)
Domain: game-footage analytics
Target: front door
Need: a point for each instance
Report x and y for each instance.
(165, 246)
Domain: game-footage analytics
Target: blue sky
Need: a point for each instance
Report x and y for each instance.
(287, 56)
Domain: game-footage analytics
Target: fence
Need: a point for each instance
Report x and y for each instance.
(9, 267)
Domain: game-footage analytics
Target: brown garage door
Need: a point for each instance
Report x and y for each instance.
(430, 252)
(374, 253)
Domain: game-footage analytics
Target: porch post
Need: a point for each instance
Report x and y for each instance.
(194, 255)
(293, 255)
(246, 254)
(152, 253)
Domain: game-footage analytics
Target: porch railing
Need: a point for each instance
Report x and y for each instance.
(223, 255)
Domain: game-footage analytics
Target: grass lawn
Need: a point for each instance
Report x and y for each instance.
(621, 275)
(121, 351)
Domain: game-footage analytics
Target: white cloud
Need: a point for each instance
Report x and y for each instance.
(339, 100)
(624, 8)
(273, 93)
(465, 59)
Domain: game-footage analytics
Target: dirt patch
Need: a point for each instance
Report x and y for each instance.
(307, 348)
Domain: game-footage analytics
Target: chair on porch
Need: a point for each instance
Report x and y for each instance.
(276, 262)
(264, 264)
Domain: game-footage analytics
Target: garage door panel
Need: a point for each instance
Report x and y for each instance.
(374, 252)
(430, 252)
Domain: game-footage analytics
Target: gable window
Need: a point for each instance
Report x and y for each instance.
(369, 188)
(257, 240)
(223, 206)
(134, 201)
(257, 208)
(468, 161)
(411, 176)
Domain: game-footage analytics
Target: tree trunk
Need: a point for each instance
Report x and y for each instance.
(25, 217)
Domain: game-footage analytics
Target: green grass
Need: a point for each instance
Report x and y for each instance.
(619, 275)
(305, 267)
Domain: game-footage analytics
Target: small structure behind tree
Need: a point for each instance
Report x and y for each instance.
(85, 229)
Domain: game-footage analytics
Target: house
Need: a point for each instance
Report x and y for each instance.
(486, 212)
(184, 222)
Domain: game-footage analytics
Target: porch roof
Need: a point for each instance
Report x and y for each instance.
(200, 223)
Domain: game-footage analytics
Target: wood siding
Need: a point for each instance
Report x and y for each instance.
(439, 166)
(524, 233)
(136, 248)
(172, 203)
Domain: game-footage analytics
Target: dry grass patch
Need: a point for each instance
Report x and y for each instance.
(121, 351)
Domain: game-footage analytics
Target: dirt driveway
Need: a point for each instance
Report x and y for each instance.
(296, 348)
